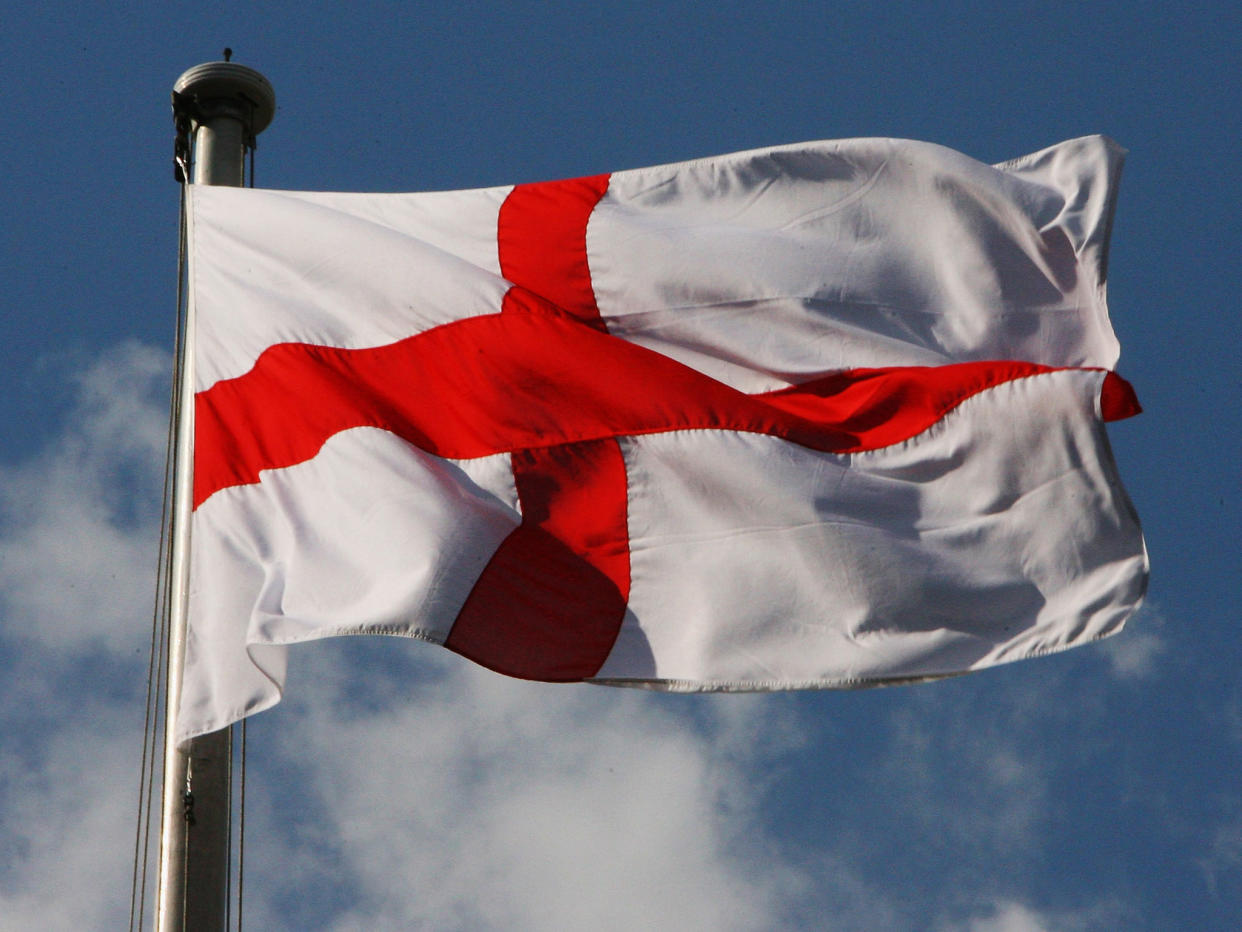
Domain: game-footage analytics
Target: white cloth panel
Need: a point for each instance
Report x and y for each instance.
(859, 253)
(371, 536)
(349, 270)
(1001, 532)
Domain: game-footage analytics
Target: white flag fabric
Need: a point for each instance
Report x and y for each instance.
(821, 415)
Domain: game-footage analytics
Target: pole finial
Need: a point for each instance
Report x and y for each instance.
(225, 88)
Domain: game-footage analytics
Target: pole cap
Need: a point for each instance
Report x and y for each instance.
(225, 88)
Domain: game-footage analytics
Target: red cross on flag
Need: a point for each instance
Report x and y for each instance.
(821, 415)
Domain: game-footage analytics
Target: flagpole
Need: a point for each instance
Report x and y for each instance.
(222, 106)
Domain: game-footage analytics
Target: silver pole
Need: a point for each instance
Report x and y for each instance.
(225, 105)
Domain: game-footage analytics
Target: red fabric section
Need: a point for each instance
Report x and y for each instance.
(532, 378)
(542, 241)
(549, 604)
(1118, 399)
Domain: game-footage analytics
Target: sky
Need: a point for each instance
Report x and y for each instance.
(398, 787)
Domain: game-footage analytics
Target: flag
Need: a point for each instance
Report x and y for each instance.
(819, 415)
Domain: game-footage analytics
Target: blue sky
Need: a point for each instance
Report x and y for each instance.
(399, 788)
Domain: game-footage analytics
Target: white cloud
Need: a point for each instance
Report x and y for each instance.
(68, 829)
(1221, 864)
(77, 543)
(488, 803)
(1012, 916)
(977, 778)
(77, 549)
(1134, 654)
(1009, 917)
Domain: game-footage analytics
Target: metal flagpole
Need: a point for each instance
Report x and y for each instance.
(222, 106)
